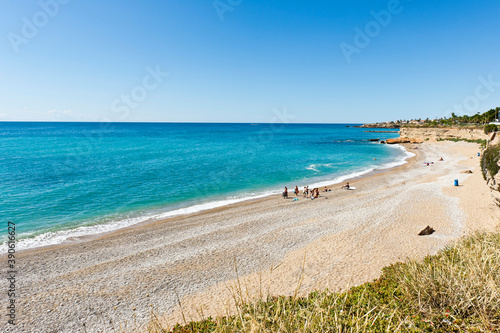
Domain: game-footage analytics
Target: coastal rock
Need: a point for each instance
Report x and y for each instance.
(426, 231)
(493, 181)
(381, 125)
(398, 140)
(443, 133)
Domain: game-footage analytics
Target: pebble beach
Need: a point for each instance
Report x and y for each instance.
(269, 245)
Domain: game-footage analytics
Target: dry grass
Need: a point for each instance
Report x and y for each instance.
(462, 282)
(456, 290)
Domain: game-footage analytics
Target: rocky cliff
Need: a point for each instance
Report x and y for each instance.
(490, 166)
(433, 134)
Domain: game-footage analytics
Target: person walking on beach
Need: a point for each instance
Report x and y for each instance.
(285, 193)
(296, 191)
(306, 192)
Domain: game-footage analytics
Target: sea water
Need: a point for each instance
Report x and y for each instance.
(63, 180)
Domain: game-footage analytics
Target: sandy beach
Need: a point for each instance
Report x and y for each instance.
(341, 239)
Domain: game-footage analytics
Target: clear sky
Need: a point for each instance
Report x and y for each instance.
(245, 60)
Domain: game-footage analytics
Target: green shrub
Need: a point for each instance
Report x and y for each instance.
(489, 161)
(490, 128)
(478, 141)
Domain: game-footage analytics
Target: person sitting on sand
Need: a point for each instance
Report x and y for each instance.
(441, 159)
(326, 189)
(296, 191)
(346, 186)
(285, 193)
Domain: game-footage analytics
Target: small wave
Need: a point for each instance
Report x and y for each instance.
(342, 178)
(314, 167)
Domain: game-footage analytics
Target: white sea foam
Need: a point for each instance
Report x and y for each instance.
(62, 236)
(314, 167)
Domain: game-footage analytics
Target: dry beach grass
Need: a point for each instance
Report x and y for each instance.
(456, 290)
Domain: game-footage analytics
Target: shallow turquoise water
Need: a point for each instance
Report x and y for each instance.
(70, 179)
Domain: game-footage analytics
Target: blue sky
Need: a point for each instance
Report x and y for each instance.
(245, 61)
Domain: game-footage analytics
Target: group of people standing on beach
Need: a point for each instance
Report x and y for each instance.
(313, 194)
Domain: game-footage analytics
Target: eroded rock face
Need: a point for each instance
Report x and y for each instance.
(397, 140)
(433, 134)
(494, 184)
(402, 140)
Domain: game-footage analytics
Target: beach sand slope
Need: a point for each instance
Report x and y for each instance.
(341, 239)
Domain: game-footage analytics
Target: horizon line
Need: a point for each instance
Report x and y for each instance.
(166, 122)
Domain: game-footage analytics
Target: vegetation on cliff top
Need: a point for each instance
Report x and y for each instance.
(479, 120)
(481, 142)
(490, 128)
(489, 161)
(457, 290)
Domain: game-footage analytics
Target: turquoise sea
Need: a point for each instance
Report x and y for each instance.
(62, 180)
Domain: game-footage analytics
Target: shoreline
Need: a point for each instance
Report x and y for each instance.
(345, 236)
(76, 237)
